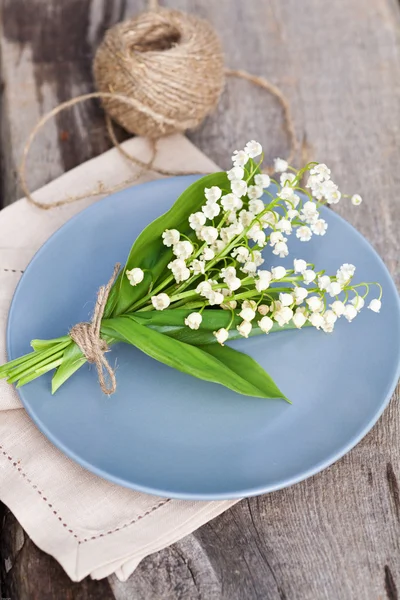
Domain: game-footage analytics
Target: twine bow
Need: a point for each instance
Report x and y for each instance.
(87, 337)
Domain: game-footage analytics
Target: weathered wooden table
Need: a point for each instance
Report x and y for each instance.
(336, 535)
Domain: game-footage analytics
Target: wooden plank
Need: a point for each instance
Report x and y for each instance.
(337, 534)
(27, 575)
(46, 52)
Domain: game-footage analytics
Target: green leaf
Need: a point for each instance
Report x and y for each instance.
(246, 367)
(212, 318)
(113, 296)
(39, 372)
(73, 359)
(171, 322)
(148, 251)
(26, 363)
(201, 362)
(45, 344)
(200, 336)
(37, 367)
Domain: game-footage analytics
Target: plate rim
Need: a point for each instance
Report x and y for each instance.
(252, 491)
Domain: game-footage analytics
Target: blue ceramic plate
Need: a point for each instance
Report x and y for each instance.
(166, 433)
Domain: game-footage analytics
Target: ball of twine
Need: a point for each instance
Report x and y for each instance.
(170, 63)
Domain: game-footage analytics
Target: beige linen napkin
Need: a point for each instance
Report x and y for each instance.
(89, 525)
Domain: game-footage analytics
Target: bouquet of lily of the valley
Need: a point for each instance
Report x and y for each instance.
(196, 278)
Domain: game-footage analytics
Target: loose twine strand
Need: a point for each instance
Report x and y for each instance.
(101, 189)
(87, 337)
(260, 82)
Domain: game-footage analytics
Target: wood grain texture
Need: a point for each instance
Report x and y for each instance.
(336, 535)
(25, 575)
(46, 53)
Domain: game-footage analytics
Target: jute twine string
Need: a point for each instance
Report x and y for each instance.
(256, 80)
(87, 337)
(101, 189)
